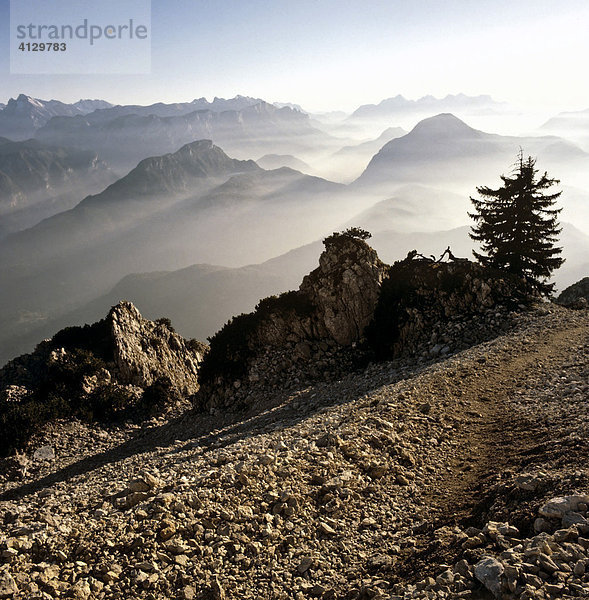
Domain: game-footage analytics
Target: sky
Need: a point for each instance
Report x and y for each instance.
(338, 54)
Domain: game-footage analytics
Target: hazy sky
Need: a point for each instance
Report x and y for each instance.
(338, 54)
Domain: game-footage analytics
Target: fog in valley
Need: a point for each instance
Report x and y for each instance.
(196, 210)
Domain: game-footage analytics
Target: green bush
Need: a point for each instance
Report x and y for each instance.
(338, 239)
(230, 346)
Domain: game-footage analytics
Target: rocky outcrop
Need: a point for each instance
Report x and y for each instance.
(576, 295)
(352, 301)
(345, 288)
(425, 303)
(297, 332)
(107, 370)
(145, 351)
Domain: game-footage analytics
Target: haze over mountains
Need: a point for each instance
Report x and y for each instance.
(395, 107)
(459, 155)
(37, 181)
(194, 229)
(573, 125)
(123, 135)
(21, 117)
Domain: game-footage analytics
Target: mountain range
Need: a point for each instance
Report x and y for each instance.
(174, 109)
(22, 116)
(193, 223)
(195, 204)
(123, 138)
(444, 149)
(392, 108)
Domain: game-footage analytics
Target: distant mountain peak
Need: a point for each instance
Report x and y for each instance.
(197, 146)
(443, 124)
(398, 105)
(174, 171)
(24, 102)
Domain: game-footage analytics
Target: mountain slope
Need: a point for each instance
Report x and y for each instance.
(378, 483)
(195, 206)
(348, 162)
(37, 181)
(445, 151)
(414, 206)
(151, 187)
(276, 161)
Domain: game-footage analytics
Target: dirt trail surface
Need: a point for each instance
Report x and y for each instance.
(428, 480)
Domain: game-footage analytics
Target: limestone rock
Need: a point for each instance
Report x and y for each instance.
(97, 371)
(298, 332)
(8, 586)
(488, 571)
(558, 507)
(345, 288)
(44, 453)
(147, 350)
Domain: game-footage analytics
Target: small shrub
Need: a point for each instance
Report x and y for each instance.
(18, 421)
(420, 285)
(167, 323)
(229, 347)
(95, 338)
(197, 346)
(109, 402)
(288, 301)
(337, 239)
(158, 395)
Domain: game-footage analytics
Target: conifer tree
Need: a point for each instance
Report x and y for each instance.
(517, 225)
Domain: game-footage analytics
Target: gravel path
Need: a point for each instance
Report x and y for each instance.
(396, 482)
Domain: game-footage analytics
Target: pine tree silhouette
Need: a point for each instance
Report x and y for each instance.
(517, 225)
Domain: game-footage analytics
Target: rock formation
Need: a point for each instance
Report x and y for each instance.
(344, 289)
(352, 299)
(576, 295)
(144, 351)
(418, 296)
(104, 370)
(298, 330)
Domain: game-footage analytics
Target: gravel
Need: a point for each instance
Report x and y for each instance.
(459, 476)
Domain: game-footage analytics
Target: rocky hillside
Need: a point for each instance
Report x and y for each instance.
(353, 307)
(454, 467)
(111, 369)
(463, 476)
(576, 295)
